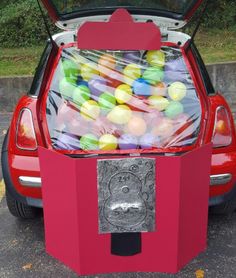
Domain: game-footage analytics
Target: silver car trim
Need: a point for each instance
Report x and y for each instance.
(30, 181)
(220, 179)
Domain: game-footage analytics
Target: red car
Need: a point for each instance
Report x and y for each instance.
(89, 102)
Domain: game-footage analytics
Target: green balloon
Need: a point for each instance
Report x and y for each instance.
(89, 142)
(174, 109)
(66, 88)
(107, 101)
(153, 75)
(81, 94)
(71, 69)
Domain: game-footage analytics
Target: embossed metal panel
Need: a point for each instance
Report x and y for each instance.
(126, 195)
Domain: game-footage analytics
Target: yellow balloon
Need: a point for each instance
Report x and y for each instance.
(156, 58)
(88, 70)
(131, 72)
(177, 91)
(90, 110)
(158, 102)
(120, 114)
(123, 93)
(108, 142)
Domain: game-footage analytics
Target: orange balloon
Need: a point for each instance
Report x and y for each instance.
(164, 129)
(106, 63)
(137, 126)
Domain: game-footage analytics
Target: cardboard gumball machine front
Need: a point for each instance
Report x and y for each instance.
(109, 211)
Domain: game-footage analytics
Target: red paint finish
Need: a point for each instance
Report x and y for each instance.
(72, 228)
(190, 14)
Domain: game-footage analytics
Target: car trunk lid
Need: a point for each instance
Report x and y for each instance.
(171, 14)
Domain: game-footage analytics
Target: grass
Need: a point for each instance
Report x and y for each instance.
(217, 46)
(214, 46)
(19, 61)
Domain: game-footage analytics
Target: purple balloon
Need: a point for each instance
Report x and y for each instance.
(172, 76)
(132, 56)
(97, 85)
(175, 65)
(148, 141)
(128, 142)
(67, 142)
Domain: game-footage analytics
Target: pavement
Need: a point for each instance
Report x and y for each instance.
(22, 249)
(22, 252)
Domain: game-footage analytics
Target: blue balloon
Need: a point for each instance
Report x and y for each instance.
(141, 87)
(80, 81)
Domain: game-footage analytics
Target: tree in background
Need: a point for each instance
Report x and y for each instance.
(21, 22)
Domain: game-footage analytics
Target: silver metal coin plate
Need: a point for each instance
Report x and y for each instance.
(126, 195)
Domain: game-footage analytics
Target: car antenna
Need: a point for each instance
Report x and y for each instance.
(46, 24)
(197, 26)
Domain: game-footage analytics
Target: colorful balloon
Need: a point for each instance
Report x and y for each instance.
(120, 114)
(108, 142)
(141, 87)
(176, 65)
(107, 101)
(67, 142)
(123, 93)
(89, 142)
(106, 61)
(132, 56)
(114, 79)
(159, 89)
(158, 102)
(70, 69)
(103, 126)
(128, 142)
(81, 94)
(177, 91)
(174, 109)
(131, 72)
(88, 71)
(77, 126)
(153, 75)
(148, 141)
(152, 117)
(97, 85)
(66, 88)
(156, 58)
(165, 128)
(90, 110)
(106, 64)
(136, 126)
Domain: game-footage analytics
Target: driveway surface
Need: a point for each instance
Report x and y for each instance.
(22, 251)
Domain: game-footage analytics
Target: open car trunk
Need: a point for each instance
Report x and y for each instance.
(118, 102)
(66, 12)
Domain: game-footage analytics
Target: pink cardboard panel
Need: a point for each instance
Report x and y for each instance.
(120, 33)
(71, 231)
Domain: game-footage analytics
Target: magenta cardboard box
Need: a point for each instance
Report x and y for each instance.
(71, 214)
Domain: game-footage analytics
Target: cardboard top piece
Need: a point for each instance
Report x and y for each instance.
(119, 33)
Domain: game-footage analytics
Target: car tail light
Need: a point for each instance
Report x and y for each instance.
(222, 135)
(25, 134)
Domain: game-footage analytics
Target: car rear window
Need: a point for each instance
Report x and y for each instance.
(122, 101)
(175, 6)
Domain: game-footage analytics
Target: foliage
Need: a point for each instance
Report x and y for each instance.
(220, 14)
(22, 25)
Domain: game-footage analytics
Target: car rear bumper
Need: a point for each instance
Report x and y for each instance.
(219, 179)
(24, 179)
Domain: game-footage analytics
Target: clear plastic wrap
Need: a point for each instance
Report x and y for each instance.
(122, 101)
